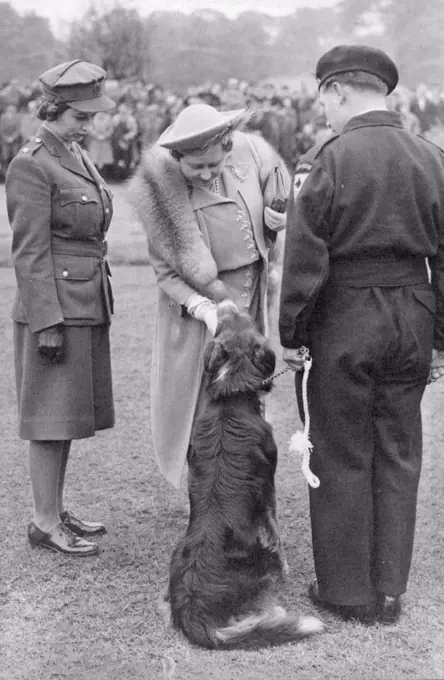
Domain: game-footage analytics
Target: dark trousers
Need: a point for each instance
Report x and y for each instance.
(371, 351)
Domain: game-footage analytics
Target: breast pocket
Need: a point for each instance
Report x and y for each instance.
(80, 207)
(74, 277)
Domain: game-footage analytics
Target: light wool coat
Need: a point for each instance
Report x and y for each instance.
(176, 224)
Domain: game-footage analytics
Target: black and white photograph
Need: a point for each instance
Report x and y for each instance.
(222, 340)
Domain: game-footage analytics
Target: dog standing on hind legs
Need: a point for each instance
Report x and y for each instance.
(223, 570)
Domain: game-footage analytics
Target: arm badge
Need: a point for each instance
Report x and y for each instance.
(302, 172)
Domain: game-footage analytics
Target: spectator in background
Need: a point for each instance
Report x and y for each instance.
(124, 141)
(232, 97)
(29, 123)
(10, 136)
(288, 124)
(424, 108)
(100, 140)
(12, 94)
(305, 140)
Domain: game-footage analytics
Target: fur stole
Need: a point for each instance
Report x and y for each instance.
(158, 192)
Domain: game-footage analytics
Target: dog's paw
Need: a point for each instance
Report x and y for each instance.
(309, 625)
(164, 607)
(285, 569)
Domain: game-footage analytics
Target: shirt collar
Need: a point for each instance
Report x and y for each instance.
(372, 119)
(66, 144)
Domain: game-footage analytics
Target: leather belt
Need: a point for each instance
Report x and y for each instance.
(380, 272)
(62, 246)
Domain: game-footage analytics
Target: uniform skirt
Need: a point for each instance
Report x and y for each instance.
(69, 400)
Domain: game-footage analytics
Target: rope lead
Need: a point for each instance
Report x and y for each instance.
(300, 442)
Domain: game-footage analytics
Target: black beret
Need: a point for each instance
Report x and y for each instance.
(344, 58)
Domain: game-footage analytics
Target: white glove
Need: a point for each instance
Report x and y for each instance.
(274, 220)
(203, 309)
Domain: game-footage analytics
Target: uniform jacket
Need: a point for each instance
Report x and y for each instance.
(373, 193)
(177, 231)
(59, 214)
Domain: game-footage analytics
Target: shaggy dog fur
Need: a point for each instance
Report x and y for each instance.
(223, 569)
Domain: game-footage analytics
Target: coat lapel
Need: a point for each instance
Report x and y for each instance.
(202, 198)
(241, 182)
(58, 149)
(94, 174)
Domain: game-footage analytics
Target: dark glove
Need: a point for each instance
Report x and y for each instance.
(50, 343)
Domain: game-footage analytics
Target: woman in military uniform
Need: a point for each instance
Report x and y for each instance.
(60, 209)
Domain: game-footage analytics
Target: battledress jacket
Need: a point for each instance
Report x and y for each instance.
(373, 193)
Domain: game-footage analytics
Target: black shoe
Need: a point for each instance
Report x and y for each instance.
(62, 540)
(81, 527)
(388, 609)
(364, 613)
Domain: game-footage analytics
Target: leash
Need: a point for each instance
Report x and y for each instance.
(300, 442)
(276, 375)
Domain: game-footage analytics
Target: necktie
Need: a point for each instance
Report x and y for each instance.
(76, 153)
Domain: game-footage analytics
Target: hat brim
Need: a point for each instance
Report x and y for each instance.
(94, 105)
(230, 119)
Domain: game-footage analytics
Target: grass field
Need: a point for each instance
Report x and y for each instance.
(97, 618)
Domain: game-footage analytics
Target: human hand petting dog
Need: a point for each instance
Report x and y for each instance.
(274, 220)
(203, 309)
(436, 366)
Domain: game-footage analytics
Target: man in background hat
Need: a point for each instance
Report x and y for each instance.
(365, 213)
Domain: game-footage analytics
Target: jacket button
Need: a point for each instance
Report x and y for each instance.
(107, 210)
(65, 273)
(37, 139)
(84, 198)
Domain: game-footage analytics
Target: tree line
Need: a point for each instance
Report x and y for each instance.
(178, 50)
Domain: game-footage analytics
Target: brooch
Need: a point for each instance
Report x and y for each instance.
(237, 172)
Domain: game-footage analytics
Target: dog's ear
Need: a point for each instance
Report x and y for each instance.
(214, 354)
(265, 359)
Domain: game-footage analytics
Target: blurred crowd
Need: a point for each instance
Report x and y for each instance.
(290, 119)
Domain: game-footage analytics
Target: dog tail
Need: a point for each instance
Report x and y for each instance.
(267, 629)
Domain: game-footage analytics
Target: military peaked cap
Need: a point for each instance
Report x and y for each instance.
(79, 84)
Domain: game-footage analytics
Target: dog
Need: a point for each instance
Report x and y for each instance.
(223, 570)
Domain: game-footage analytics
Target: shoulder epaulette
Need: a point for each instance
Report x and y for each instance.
(429, 141)
(31, 146)
(311, 155)
(305, 165)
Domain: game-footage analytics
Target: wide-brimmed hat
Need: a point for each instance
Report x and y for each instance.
(199, 126)
(79, 84)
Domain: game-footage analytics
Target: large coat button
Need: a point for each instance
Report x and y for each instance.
(84, 198)
(65, 273)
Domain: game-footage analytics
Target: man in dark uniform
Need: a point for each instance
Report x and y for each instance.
(365, 214)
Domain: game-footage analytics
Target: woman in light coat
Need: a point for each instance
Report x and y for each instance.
(203, 194)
